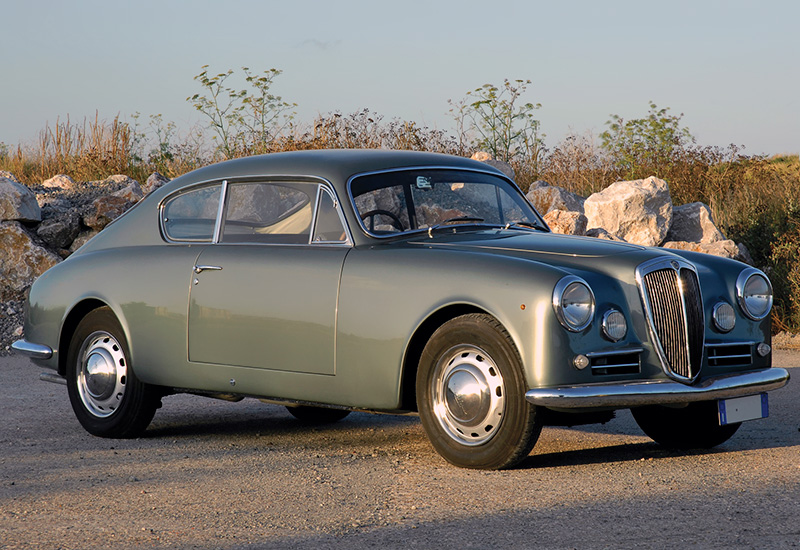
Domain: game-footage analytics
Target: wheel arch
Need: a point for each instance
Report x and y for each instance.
(80, 310)
(423, 333)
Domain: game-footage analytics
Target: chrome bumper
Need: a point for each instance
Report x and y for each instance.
(34, 351)
(658, 392)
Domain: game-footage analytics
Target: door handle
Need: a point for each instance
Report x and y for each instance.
(201, 268)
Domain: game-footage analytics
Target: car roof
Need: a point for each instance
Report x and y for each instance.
(334, 165)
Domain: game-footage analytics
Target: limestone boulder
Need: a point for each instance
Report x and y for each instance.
(565, 222)
(154, 181)
(17, 202)
(104, 210)
(724, 248)
(503, 166)
(82, 239)
(9, 175)
(60, 181)
(22, 260)
(693, 223)
(546, 198)
(600, 233)
(59, 231)
(127, 188)
(638, 212)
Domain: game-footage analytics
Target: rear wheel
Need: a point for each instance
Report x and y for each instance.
(471, 395)
(317, 415)
(106, 396)
(695, 426)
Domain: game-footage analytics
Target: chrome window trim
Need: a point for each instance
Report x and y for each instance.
(498, 174)
(175, 194)
(675, 264)
(224, 183)
(741, 281)
(337, 207)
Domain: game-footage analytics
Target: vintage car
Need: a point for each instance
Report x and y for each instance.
(398, 281)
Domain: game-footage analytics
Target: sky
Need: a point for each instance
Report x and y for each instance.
(731, 67)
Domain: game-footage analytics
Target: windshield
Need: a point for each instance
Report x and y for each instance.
(396, 202)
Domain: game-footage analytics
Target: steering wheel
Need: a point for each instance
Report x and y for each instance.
(396, 223)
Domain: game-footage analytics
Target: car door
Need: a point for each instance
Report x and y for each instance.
(265, 294)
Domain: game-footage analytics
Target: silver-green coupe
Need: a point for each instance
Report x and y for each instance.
(391, 281)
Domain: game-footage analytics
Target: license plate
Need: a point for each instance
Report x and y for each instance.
(740, 409)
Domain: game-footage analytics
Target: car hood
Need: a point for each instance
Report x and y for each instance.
(552, 244)
(571, 253)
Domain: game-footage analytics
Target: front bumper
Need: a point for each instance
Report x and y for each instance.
(658, 392)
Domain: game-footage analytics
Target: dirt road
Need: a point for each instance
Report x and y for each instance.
(211, 474)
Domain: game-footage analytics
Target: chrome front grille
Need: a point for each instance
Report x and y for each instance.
(671, 295)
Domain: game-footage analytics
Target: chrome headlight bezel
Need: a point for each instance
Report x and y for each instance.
(747, 297)
(564, 305)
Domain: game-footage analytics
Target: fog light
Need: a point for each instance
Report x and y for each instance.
(724, 317)
(615, 327)
(763, 349)
(580, 362)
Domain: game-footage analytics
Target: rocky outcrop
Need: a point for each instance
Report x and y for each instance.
(546, 198)
(17, 202)
(22, 260)
(503, 166)
(638, 212)
(565, 222)
(693, 223)
(725, 248)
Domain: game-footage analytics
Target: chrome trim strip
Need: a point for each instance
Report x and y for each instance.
(223, 199)
(729, 344)
(658, 392)
(675, 264)
(621, 351)
(51, 377)
(34, 351)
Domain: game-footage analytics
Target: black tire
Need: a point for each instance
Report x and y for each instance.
(106, 396)
(317, 415)
(695, 426)
(471, 395)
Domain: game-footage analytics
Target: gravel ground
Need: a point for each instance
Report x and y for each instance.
(211, 474)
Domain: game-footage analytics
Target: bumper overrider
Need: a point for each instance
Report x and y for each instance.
(658, 392)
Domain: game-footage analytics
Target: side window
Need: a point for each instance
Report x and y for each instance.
(277, 213)
(328, 227)
(191, 216)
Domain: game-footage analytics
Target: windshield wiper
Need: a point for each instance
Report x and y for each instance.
(458, 219)
(528, 225)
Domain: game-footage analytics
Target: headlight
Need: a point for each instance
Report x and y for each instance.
(573, 302)
(724, 317)
(615, 327)
(754, 292)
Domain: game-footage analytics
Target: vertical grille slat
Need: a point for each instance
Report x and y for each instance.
(676, 316)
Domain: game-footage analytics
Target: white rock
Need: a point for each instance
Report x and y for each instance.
(566, 223)
(639, 211)
(17, 202)
(546, 197)
(693, 223)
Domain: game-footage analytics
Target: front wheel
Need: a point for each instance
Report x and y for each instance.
(106, 396)
(695, 426)
(471, 395)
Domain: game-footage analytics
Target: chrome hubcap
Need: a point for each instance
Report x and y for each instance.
(102, 374)
(468, 395)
